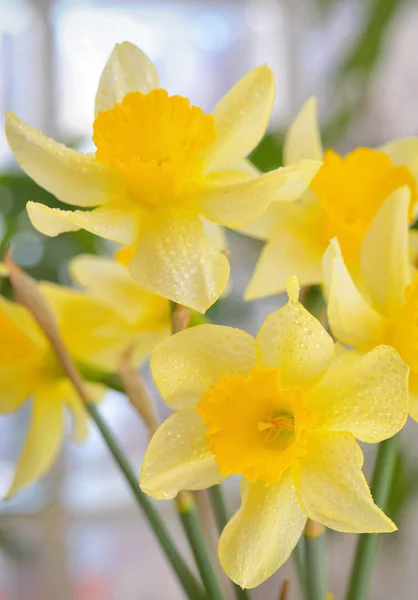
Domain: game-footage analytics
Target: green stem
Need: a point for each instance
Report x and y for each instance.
(195, 534)
(299, 555)
(315, 566)
(186, 578)
(221, 517)
(95, 375)
(367, 544)
(218, 506)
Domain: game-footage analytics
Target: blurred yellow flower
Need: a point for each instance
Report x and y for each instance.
(282, 410)
(139, 320)
(160, 167)
(95, 328)
(28, 368)
(341, 202)
(381, 305)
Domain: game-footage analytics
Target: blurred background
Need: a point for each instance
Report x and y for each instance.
(77, 534)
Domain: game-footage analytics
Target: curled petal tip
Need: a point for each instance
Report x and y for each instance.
(293, 288)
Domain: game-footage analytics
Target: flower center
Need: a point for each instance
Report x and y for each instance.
(351, 190)
(154, 141)
(254, 425)
(273, 426)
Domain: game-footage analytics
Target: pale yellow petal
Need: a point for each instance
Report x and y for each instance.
(238, 204)
(21, 338)
(385, 255)
(364, 395)
(80, 418)
(73, 177)
(187, 364)
(265, 226)
(240, 166)
(216, 234)
(108, 222)
(43, 441)
(303, 138)
(332, 489)
(241, 117)
(111, 282)
(352, 320)
(290, 250)
(301, 218)
(282, 256)
(175, 259)
(262, 534)
(293, 340)
(128, 69)
(413, 247)
(92, 331)
(234, 170)
(404, 151)
(179, 458)
(17, 382)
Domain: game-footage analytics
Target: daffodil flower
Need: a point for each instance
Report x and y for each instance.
(284, 411)
(381, 306)
(341, 202)
(95, 329)
(138, 319)
(160, 167)
(28, 368)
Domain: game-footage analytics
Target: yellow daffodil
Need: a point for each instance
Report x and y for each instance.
(381, 306)
(341, 202)
(160, 167)
(28, 368)
(96, 328)
(282, 410)
(142, 319)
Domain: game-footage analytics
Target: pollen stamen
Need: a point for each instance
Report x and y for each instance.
(275, 426)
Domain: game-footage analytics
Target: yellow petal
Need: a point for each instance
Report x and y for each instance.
(283, 255)
(238, 204)
(216, 234)
(413, 247)
(241, 117)
(385, 266)
(71, 176)
(364, 395)
(16, 384)
(239, 166)
(293, 340)
(92, 331)
(127, 70)
(303, 138)
(179, 458)
(352, 320)
(80, 419)
(21, 339)
(264, 227)
(187, 364)
(293, 247)
(111, 282)
(108, 222)
(404, 151)
(43, 441)
(332, 489)
(175, 259)
(261, 535)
